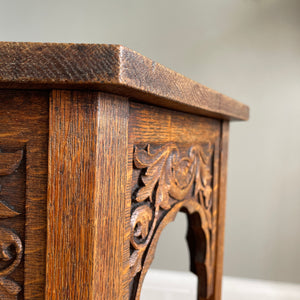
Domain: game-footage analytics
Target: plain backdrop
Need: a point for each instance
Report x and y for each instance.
(246, 49)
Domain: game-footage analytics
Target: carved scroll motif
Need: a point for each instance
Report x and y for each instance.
(169, 183)
(11, 249)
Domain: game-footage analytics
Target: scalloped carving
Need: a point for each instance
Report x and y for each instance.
(170, 182)
(11, 249)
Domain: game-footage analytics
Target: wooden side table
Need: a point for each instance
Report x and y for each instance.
(100, 148)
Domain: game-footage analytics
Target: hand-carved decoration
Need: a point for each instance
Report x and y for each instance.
(9, 162)
(6, 211)
(11, 249)
(169, 183)
(10, 252)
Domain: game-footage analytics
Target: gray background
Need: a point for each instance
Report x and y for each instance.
(246, 49)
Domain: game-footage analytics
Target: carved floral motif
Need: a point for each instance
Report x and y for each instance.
(168, 180)
(11, 250)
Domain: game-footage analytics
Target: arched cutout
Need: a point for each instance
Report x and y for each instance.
(170, 184)
(169, 275)
(172, 250)
(198, 237)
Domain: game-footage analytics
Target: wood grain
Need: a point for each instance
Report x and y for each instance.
(151, 124)
(111, 68)
(9, 162)
(24, 130)
(221, 210)
(87, 181)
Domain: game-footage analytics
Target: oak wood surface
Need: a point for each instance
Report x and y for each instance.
(87, 181)
(23, 152)
(111, 68)
(221, 210)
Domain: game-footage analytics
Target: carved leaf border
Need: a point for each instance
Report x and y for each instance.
(167, 179)
(9, 162)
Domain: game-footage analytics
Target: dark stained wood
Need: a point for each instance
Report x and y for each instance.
(87, 181)
(111, 68)
(23, 154)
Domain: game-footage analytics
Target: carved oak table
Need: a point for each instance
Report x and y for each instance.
(100, 148)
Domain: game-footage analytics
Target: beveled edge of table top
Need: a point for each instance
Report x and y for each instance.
(110, 68)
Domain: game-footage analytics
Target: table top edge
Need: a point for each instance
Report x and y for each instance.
(112, 68)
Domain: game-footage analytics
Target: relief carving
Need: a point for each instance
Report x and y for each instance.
(172, 179)
(11, 249)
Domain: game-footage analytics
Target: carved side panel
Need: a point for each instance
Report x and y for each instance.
(171, 178)
(24, 119)
(12, 223)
